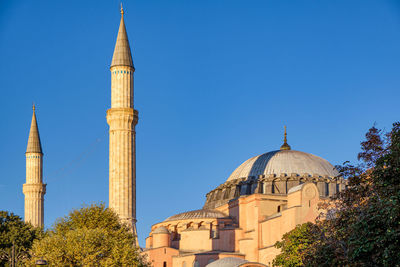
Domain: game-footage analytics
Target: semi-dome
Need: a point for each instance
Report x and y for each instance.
(284, 162)
(227, 262)
(197, 214)
(161, 230)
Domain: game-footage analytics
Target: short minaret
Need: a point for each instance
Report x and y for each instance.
(122, 119)
(34, 189)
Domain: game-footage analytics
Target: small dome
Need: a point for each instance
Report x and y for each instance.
(161, 230)
(197, 214)
(284, 161)
(227, 262)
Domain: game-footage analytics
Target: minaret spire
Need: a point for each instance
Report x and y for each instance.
(122, 52)
(34, 144)
(34, 189)
(285, 145)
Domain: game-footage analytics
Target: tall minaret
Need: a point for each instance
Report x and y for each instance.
(122, 119)
(34, 189)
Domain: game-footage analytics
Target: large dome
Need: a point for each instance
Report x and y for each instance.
(284, 162)
(276, 172)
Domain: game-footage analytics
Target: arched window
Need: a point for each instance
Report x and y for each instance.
(215, 195)
(212, 196)
(243, 189)
(287, 186)
(214, 231)
(164, 264)
(175, 235)
(248, 188)
(227, 192)
(273, 187)
(326, 189)
(237, 191)
(279, 208)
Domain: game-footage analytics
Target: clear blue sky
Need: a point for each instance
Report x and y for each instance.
(215, 82)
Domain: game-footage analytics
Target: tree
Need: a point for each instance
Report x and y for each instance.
(90, 236)
(294, 244)
(16, 237)
(363, 228)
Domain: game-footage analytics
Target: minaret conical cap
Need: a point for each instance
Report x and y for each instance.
(34, 145)
(122, 52)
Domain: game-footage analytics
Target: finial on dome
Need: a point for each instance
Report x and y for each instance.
(122, 9)
(33, 106)
(285, 145)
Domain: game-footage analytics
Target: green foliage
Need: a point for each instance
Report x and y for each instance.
(362, 227)
(90, 236)
(15, 231)
(373, 236)
(294, 244)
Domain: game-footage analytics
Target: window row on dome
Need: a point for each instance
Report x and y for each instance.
(33, 157)
(228, 191)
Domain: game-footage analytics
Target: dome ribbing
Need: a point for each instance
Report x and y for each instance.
(286, 162)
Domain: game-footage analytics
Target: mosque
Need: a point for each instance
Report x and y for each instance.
(265, 197)
(241, 220)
